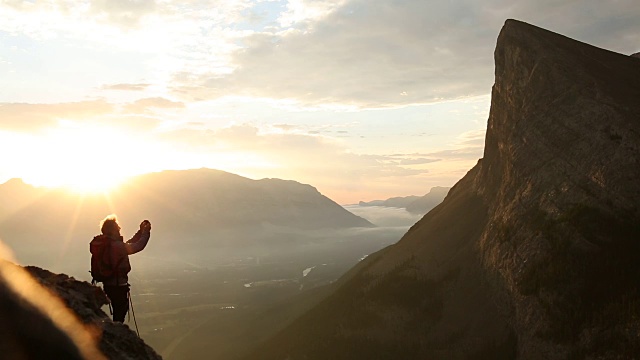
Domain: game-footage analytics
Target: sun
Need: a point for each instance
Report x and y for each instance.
(85, 159)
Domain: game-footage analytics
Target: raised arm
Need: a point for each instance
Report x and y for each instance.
(140, 239)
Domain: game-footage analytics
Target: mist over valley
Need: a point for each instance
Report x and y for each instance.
(229, 259)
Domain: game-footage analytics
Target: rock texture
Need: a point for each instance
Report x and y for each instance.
(115, 340)
(53, 316)
(535, 253)
(36, 325)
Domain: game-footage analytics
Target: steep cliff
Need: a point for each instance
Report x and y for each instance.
(53, 316)
(535, 253)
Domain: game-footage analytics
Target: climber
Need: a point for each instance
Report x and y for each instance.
(110, 261)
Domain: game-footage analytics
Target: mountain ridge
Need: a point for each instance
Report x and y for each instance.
(203, 208)
(413, 203)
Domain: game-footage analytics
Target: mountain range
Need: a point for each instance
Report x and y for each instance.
(413, 204)
(190, 210)
(535, 252)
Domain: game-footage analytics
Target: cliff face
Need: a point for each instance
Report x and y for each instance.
(53, 316)
(535, 253)
(560, 178)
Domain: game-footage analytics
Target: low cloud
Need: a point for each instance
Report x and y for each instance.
(145, 105)
(385, 216)
(29, 117)
(418, 161)
(325, 162)
(126, 87)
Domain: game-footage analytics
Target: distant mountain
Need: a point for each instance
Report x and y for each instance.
(190, 210)
(397, 202)
(413, 204)
(535, 253)
(427, 202)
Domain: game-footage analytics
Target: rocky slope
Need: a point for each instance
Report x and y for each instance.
(53, 316)
(535, 253)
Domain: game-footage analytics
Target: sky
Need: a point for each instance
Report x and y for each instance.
(363, 99)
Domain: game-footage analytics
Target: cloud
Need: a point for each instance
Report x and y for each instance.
(322, 161)
(385, 216)
(393, 53)
(142, 106)
(365, 53)
(417, 161)
(295, 152)
(28, 117)
(469, 146)
(123, 12)
(126, 87)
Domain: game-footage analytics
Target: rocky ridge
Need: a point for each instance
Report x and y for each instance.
(53, 316)
(115, 340)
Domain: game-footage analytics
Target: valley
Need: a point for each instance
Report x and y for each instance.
(221, 307)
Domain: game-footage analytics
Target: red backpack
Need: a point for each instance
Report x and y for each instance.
(102, 267)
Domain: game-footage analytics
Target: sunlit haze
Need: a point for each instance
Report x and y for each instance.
(361, 99)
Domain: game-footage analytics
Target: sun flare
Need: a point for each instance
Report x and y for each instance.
(86, 159)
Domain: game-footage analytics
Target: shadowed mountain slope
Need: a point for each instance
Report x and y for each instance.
(535, 253)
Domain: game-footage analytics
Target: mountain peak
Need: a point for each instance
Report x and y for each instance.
(556, 100)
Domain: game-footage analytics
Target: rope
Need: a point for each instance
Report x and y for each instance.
(133, 312)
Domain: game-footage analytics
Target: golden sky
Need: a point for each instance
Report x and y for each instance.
(362, 99)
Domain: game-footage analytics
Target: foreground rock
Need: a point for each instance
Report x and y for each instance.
(535, 253)
(53, 316)
(115, 340)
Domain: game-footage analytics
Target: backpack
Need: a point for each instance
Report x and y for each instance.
(102, 267)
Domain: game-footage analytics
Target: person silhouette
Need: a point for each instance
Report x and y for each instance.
(116, 286)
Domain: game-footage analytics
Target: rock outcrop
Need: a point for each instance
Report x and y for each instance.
(535, 253)
(53, 316)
